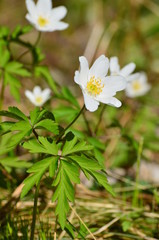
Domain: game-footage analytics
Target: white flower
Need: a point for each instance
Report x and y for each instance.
(45, 18)
(38, 97)
(124, 72)
(96, 87)
(138, 86)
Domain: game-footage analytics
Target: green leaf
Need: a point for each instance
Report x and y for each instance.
(99, 156)
(72, 171)
(17, 68)
(19, 30)
(18, 113)
(45, 147)
(4, 54)
(14, 84)
(4, 31)
(30, 181)
(96, 143)
(5, 127)
(43, 71)
(64, 191)
(67, 113)
(72, 146)
(102, 180)
(53, 167)
(86, 163)
(66, 94)
(14, 162)
(126, 225)
(48, 125)
(43, 164)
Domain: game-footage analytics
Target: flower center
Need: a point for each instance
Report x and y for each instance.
(42, 21)
(136, 86)
(94, 86)
(39, 100)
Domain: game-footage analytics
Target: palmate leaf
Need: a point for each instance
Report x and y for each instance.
(37, 170)
(72, 146)
(64, 191)
(43, 146)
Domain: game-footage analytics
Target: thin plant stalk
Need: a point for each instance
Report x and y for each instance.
(2, 93)
(63, 132)
(100, 119)
(34, 212)
(136, 192)
(28, 50)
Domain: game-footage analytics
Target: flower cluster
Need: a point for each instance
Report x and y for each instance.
(96, 86)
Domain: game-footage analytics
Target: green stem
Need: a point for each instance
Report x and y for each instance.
(34, 212)
(28, 46)
(38, 39)
(136, 192)
(64, 130)
(87, 124)
(2, 93)
(100, 119)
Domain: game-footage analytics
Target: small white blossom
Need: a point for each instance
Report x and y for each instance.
(138, 86)
(38, 97)
(96, 86)
(124, 72)
(45, 18)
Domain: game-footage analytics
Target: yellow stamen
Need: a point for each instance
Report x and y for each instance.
(39, 100)
(42, 21)
(136, 86)
(94, 86)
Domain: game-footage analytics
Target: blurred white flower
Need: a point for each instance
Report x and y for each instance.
(96, 86)
(38, 97)
(45, 18)
(125, 71)
(138, 86)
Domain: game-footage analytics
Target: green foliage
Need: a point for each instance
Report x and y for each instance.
(37, 171)
(64, 191)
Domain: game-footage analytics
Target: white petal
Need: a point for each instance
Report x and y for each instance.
(30, 96)
(133, 77)
(31, 19)
(46, 94)
(84, 69)
(143, 77)
(54, 25)
(76, 77)
(31, 7)
(58, 13)
(44, 6)
(114, 65)
(127, 70)
(100, 67)
(37, 91)
(90, 103)
(112, 84)
(114, 102)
